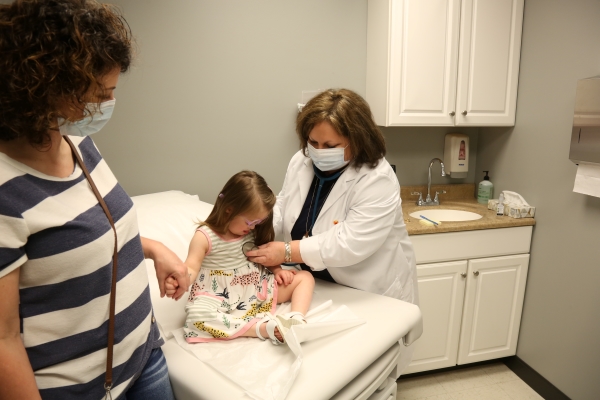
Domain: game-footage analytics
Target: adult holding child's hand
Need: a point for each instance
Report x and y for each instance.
(74, 289)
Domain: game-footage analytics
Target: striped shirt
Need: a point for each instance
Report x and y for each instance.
(55, 231)
(224, 254)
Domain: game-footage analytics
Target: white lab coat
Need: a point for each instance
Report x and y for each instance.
(359, 235)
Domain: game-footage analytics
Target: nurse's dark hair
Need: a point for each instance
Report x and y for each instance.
(351, 117)
(55, 51)
(245, 192)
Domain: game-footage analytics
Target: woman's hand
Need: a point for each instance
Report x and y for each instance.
(167, 265)
(269, 254)
(284, 276)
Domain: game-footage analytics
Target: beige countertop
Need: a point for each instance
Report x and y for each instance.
(457, 197)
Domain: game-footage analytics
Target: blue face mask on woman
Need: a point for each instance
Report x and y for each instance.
(90, 123)
(327, 159)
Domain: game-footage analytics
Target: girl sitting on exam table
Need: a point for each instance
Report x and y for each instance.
(232, 297)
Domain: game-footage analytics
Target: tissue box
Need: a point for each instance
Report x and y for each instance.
(515, 205)
(513, 210)
(518, 211)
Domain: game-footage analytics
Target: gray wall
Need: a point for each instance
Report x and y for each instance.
(216, 84)
(560, 328)
(215, 87)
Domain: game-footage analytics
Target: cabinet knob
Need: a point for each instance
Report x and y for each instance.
(464, 274)
(464, 112)
(476, 273)
(452, 113)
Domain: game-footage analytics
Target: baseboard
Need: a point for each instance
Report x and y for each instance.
(533, 379)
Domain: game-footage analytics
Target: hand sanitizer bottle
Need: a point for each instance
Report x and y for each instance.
(485, 190)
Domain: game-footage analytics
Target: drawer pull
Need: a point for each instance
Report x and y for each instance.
(476, 273)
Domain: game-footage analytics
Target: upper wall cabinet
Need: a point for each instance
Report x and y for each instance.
(443, 62)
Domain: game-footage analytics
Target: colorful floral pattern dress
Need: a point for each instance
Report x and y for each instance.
(230, 294)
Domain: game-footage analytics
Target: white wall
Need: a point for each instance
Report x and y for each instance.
(560, 328)
(215, 86)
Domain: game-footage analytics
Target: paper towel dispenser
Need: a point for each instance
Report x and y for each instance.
(585, 138)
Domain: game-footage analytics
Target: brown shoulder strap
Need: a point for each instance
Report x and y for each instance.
(113, 288)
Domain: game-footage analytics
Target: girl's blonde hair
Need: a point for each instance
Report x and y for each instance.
(245, 192)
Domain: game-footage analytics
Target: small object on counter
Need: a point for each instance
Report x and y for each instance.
(493, 204)
(500, 207)
(515, 205)
(485, 190)
(428, 222)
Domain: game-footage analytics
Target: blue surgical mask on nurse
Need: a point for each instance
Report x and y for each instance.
(91, 123)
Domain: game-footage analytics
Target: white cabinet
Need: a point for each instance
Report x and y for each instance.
(441, 294)
(492, 308)
(472, 306)
(443, 62)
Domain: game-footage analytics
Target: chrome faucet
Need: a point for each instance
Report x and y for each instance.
(428, 201)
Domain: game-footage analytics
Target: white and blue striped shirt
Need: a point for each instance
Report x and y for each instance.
(55, 231)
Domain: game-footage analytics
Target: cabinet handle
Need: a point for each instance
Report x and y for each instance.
(464, 112)
(452, 113)
(464, 274)
(476, 273)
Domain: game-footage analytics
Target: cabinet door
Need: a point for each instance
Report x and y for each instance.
(488, 65)
(441, 293)
(423, 62)
(492, 308)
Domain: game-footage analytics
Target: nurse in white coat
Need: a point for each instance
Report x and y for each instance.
(339, 210)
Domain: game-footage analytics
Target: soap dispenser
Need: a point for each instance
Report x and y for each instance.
(485, 190)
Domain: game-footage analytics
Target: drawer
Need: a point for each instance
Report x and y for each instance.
(471, 244)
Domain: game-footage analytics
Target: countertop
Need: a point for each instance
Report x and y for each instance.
(457, 197)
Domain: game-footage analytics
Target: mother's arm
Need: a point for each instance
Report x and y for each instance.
(16, 375)
(167, 265)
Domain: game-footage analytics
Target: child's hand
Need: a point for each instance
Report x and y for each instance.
(171, 286)
(284, 276)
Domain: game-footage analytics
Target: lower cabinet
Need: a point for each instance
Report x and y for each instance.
(471, 310)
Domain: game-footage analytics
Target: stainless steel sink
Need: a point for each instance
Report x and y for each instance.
(446, 215)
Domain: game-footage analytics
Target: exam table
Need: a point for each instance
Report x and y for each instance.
(358, 363)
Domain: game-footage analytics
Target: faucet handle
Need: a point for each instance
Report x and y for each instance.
(420, 201)
(436, 200)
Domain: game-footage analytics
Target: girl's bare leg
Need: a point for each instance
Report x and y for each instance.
(300, 291)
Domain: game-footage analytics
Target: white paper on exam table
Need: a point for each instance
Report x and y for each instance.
(243, 360)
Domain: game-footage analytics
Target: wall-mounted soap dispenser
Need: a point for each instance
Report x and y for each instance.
(456, 155)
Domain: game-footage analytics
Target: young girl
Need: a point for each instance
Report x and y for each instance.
(230, 295)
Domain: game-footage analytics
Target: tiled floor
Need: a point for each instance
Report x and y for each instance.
(490, 381)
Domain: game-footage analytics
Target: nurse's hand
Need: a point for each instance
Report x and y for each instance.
(269, 254)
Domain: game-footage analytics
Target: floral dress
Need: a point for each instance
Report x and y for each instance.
(230, 294)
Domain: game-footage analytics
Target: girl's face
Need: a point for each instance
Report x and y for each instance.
(242, 224)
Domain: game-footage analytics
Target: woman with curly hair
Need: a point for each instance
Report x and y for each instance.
(72, 324)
